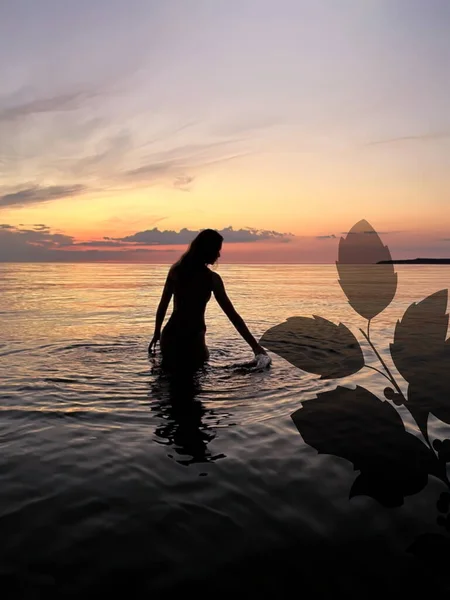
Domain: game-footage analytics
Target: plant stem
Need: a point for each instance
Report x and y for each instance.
(390, 378)
(386, 368)
(378, 371)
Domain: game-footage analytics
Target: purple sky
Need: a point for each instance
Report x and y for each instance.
(299, 116)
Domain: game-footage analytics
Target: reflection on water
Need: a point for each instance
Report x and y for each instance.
(184, 423)
(90, 499)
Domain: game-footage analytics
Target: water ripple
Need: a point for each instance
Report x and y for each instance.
(113, 475)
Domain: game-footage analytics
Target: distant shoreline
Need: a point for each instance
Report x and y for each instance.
(417, 261)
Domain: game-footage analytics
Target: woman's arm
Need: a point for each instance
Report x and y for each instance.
(228, 308)
(162, 309)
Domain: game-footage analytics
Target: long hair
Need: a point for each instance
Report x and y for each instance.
(202, 251)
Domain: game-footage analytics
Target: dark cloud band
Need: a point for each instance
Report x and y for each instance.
(37, 194)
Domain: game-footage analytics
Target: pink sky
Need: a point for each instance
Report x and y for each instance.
(317, 115)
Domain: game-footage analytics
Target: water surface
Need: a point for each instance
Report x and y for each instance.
(111, 475)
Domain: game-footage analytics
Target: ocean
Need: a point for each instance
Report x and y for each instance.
(114, 478)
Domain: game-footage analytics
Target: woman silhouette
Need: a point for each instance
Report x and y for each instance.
(190, 281)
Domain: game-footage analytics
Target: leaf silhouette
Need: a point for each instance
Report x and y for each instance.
(317, 346)
(369, 286)
(429, 391)
(355, 425)
(421, 354)
(419, 337)
(442, 447)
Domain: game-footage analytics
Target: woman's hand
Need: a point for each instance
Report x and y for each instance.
(155, 339)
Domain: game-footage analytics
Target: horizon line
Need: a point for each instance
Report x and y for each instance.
(124, 262)
(112, 262)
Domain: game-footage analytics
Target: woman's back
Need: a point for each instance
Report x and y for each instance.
(192, 289)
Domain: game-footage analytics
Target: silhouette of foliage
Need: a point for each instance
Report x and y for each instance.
(421, 354)
(442, 447)
(369, 286)
(431, 395)
(428, 321)
(317, 346)
(354, 424)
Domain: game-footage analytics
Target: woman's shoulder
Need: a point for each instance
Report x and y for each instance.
(216, 279)
(174, 270)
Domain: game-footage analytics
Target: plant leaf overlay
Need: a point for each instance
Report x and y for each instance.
(420, 336)
(316, 345)
(356, 425)
(421, 354)
(369, 286)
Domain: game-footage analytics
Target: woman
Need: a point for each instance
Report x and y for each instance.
(191, 283)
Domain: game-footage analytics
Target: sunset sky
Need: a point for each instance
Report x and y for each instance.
(128, 125)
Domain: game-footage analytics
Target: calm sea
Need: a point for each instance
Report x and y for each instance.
(113, 478)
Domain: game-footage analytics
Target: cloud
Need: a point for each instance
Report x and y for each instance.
(371, 232)
(106, 161)
(40, 244)
(29, 245)
(171, 165)
(38, 194)
(183, 182)
(128, 156)
(249, 234)
(110, 167)
(87, 144)
(426, 137)
(60, 102)
(40, 227)
(156, 237)
(39, 237)
(105, 243)
(326, 237)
